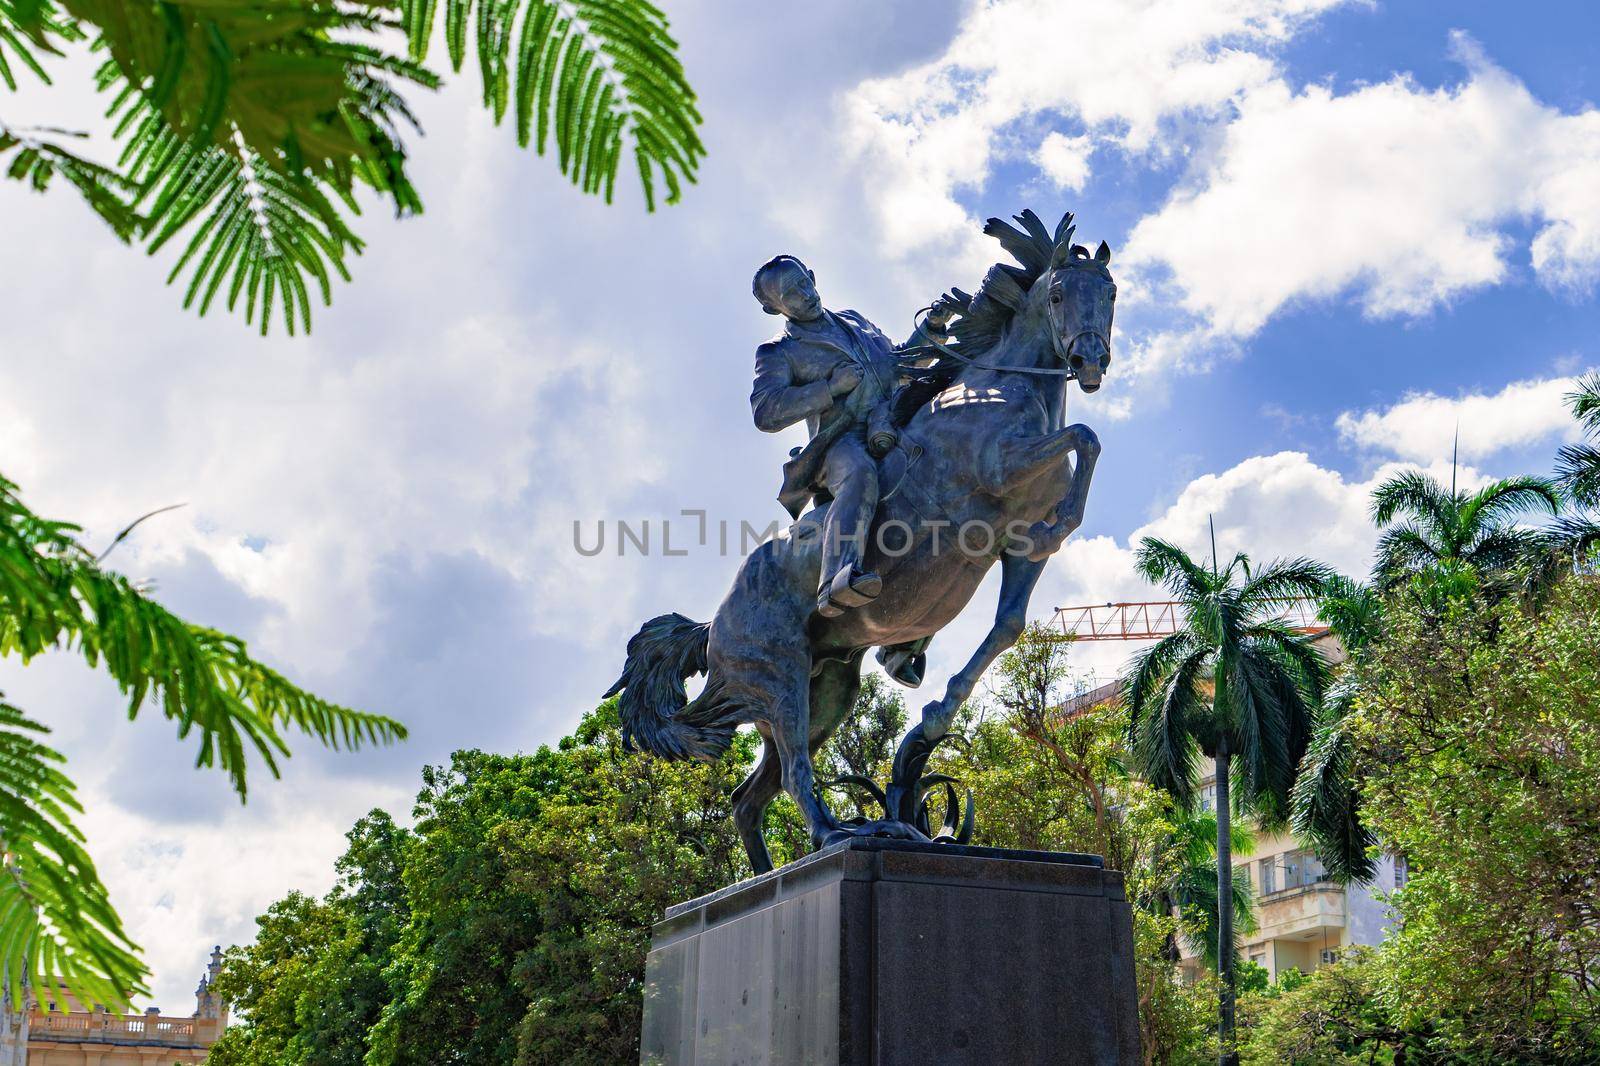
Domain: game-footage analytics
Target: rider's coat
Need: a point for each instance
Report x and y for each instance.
(791, 384)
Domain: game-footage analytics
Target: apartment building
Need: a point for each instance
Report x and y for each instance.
(1303, 919)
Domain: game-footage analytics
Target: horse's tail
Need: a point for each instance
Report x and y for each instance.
(656, 712)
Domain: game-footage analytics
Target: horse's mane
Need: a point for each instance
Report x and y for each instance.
(984, 317)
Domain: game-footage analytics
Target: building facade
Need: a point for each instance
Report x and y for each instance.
(55, 1030)
(1303, 919)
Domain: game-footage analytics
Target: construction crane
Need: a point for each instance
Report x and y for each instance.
(1146, 620)
(1154, 619)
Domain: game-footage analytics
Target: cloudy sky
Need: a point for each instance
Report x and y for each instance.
(1341, 230)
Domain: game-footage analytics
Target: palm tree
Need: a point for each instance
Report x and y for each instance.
(1193, 888)
(1235, 685)
(1453, 534)
(246, 129)
(1325, 803)
(1575, 535)
(57, 924)
(1578, 465)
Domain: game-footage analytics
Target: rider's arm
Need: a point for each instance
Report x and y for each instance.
(936, 324)
(775, 400)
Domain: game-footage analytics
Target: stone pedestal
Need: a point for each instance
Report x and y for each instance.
(889, 953)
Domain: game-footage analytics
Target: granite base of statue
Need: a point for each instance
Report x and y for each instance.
(876, 952)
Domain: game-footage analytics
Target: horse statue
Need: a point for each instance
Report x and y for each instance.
(985, 471)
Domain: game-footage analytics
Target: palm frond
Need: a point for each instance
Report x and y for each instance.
(1326, 803)
(53, 594)
(1164, 746)
(56, 920)
(1507, 548)
(1283, 675)
(28, 30)
(1284, 579)
(1509, 498)
(1584, 402)
(1578, 472)
(1401, 551)
(258, 188)
(1415, 494)
(1354, 611)
(590, 77)
(1164, 563)
(265, 235)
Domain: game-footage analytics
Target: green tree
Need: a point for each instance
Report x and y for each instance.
(56, 920)
(246, 131)
(510, 926)
(1477, 745)
(311, 985)
(452, 998)
(1454, 538)
(630, 836)
(1233, 684)
(1334, 1016)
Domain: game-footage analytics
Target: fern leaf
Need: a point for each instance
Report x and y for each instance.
(38, 162)
(57, 924)
(53, 594)
(592, 73)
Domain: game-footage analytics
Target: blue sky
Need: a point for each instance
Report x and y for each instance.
(1340, 231)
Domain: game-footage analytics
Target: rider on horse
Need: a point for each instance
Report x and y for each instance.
(837, 372)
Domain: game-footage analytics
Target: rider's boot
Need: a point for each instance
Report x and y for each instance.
(849, 588)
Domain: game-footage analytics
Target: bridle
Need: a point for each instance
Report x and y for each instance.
(1063, 350)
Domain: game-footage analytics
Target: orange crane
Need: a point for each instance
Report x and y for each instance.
(1154, 619)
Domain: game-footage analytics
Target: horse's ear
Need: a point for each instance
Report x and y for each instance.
(1102, 254)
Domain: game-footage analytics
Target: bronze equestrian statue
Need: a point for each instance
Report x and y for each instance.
(982, 468)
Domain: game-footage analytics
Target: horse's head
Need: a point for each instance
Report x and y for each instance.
(1079, 298)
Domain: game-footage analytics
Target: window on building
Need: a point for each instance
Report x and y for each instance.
(1268, 870)
(1208, 799)
(1330, 956)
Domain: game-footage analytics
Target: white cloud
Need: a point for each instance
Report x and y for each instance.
(1268, 506)
(1065, 160)
(1398, 193)
(1423, 426)
(1120, 70)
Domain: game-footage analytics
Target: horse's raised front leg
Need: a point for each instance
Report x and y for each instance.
(1018, 575)
(1010, 463)
(1047, 537)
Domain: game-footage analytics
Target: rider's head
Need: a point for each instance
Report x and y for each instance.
(785, 286)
